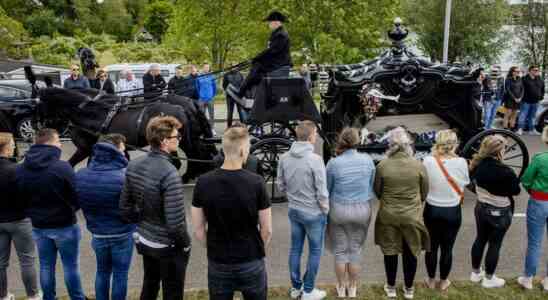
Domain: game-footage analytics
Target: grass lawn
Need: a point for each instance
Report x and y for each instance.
(458, 290)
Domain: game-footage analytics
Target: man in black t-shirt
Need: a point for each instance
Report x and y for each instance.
(233, 205)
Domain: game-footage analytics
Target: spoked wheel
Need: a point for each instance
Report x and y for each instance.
(25, 129)
(273, 130)
(516, 155)
(268, 152)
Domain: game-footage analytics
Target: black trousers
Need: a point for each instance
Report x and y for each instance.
(443, 224)
(492, 223)
(249, 278)
(169, 271)
(230, 103)
(409, 267)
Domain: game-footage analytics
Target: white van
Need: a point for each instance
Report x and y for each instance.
(166, 70)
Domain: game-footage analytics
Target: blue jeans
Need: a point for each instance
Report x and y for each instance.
(527, 115)
(490, 112)
(249, 278)
(66, 242)
(113, 260)
(305, 226)
(537, 221)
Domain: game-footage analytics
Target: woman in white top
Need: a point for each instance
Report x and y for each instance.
(447, 175)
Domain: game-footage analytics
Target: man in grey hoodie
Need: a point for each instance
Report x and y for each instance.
(302, 177)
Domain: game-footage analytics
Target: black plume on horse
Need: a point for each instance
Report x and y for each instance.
(88, 119)
(87, 60)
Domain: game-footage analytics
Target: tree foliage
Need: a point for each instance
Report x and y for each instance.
(12, 33)
(476, 28)
(320, 31)
(157, 16)
(338, 31)
(216, 31)
(532, 32)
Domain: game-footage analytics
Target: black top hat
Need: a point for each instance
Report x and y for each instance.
(276, 16)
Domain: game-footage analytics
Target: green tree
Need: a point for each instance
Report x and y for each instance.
(43, 22)
(157, 15)
(18, 9)
(476, 28)
(12, 33)
(338, 31)
(531, 30)
(216, 31)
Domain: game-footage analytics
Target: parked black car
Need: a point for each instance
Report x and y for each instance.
(17, 108)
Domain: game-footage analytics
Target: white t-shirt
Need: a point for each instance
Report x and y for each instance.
(440, 192)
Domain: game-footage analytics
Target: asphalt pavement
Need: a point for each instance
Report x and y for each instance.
(510, 264)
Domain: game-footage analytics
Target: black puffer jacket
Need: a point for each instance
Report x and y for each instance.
(153, 198)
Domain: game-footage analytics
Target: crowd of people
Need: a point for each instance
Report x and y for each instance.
(139, 204)
(198, 86)
(519, 95)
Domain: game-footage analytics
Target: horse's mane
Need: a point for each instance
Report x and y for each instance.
(79, 102)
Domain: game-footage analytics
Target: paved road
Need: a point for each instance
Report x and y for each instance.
(512, 256)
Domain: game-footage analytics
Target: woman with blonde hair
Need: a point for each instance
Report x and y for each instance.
(401, 185)
(496, 184)
(535, 181)
(350, 178)
(447, 177)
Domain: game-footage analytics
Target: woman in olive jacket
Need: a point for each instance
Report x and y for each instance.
(401, 185)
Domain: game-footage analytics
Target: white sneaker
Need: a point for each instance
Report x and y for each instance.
(352, 291)
(476, 277)
(390, 291)
(494, 282)
(315, 294)
(341, 291)
(534, 132)
(9, 297)
(519, 132)
(295, 293)
(408, 293)
(37, 297)
(526, 282)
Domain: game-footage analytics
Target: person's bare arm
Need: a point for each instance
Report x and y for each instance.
(265, 225)
(199, 224)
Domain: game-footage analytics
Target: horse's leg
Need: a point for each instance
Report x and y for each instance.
(79, 156)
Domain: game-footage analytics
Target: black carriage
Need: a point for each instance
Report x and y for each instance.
(398, 88)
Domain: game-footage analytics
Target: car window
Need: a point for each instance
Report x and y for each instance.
(8, 94)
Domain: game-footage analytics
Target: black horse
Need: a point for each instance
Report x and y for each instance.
(87, 114)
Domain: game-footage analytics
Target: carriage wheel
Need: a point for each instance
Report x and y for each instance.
(273, 130)
(268, 152)
(516, 155)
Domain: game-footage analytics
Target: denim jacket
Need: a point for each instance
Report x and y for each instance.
(350, 177)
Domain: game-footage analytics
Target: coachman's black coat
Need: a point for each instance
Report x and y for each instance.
(277, 54)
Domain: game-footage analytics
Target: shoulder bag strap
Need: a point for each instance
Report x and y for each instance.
(450, 180)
